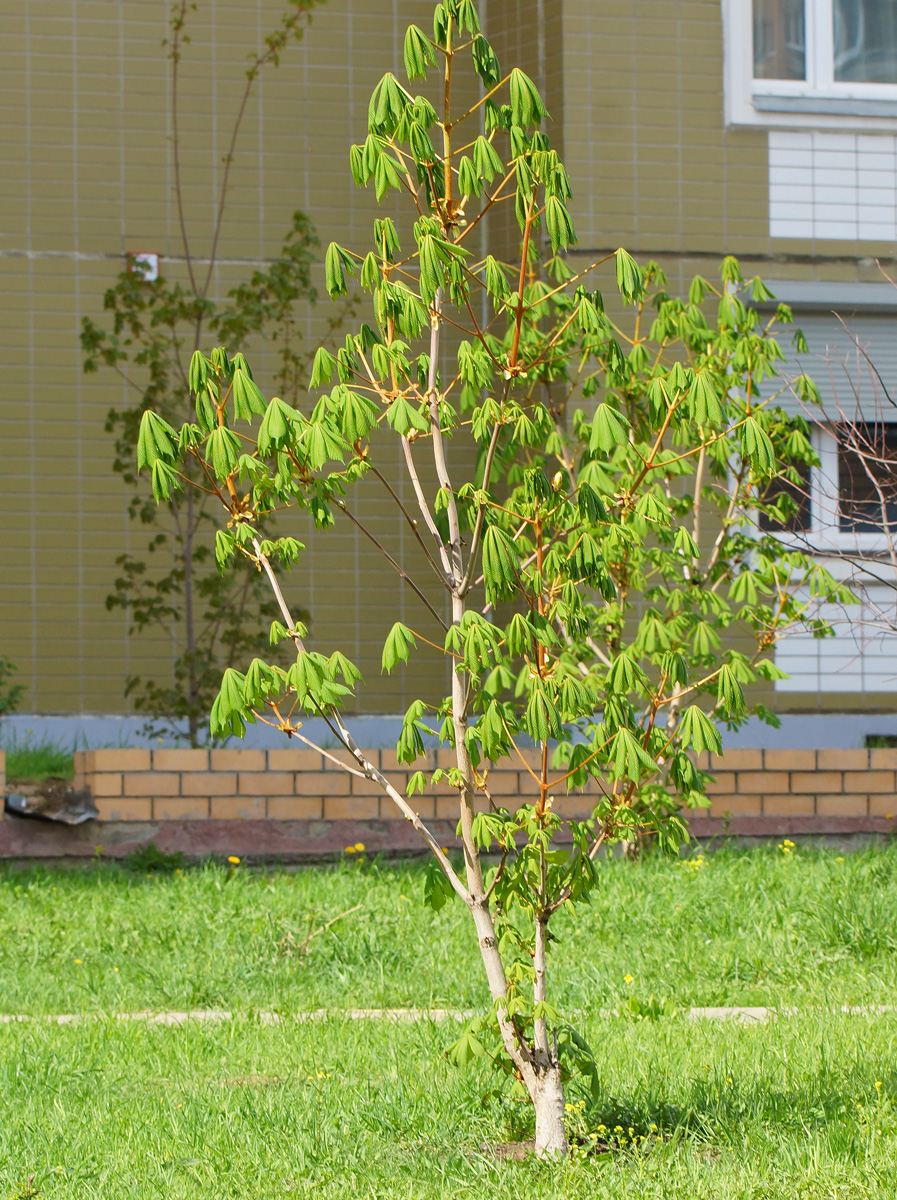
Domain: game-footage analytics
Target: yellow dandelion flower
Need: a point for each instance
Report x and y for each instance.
(350, 850)
(628, 978)
(889, 816)
(840, 858)
(359, 846)
(233, 859)
(77, 962)
(878, 1083)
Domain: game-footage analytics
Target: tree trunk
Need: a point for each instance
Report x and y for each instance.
(547, 1092)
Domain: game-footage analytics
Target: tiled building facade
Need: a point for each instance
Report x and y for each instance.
(682, 143)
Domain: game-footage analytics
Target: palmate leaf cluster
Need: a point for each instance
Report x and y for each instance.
(604, 598)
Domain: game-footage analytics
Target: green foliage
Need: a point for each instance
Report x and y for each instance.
(10, 693)
(616, 655)
(31, 762)
(148, 857)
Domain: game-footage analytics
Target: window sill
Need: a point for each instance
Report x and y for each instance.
(825, 106)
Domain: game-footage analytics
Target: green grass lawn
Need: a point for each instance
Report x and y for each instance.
(804, 1107)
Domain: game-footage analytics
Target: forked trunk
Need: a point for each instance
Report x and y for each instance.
(547, 1092)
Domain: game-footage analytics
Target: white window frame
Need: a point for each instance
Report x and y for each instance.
(819, 101)
(825, 535)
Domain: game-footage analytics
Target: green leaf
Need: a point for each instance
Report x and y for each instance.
(526, 103)
(156, 440)
(757, 446)
(609, 429)
(630, 280)
(165, 481)
(247, 397)
(437, 889)
(559, 224)
(223, 450)
(200, 371)
(228, 707)
(500, 563)
(697, 730)
(729, 692)
(542, 719)
(465, 1050)
(322, 368)
(224, 547)
(276, 426)
(418, 53)
(397, 648)
(485, 63)
(335, 261)
(704, 401)
(630, 759)
(402, 416)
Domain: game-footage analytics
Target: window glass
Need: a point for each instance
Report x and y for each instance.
(867, 477)
(796, 508)
(865, 37)
(779, 40)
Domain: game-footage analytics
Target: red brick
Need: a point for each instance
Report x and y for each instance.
(574, 805)
(208, 783)
(760, 782)
(788, 806)
(238, 808)
(362, 786)
(724, 786)
(448, 808)
(180, 808)
(842, 806)
(733, 806)
(292, 758)
(181, 760)
(153, 783)
(842, 760)
(295, 808)
(321, 783)
(236, 759)
(818, 781)
(445, 758)
(789, 760)
(869, 781)
(104, 785)
(737, 760)
(125, 810)
(117, 760)
(265, 783)
(883, 806)
(351, 808)
(883, 760)
(345, 757)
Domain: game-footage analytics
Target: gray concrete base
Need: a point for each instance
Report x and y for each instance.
(805, 731)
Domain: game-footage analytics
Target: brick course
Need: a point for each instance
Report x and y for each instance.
(297, 784)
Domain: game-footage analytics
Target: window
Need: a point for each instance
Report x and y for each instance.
(788, 59)
(867, 478)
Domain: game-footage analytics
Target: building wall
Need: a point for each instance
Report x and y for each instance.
(636, 94)
(88, 176)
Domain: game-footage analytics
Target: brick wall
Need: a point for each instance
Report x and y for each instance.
(804, 783)
(294, 784)
(2, 780)
(287, 784)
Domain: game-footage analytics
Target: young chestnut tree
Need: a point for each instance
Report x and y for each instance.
(585, 579)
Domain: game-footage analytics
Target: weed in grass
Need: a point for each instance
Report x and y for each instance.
(149, 857)
(32, 762)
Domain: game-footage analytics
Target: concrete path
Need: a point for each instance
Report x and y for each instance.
(744, 1016)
